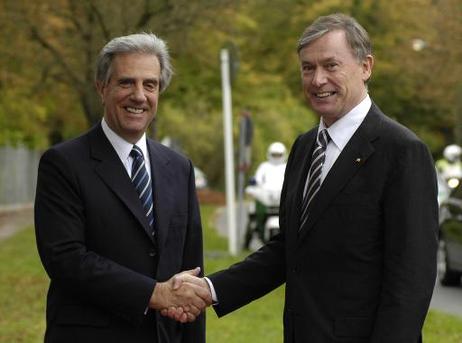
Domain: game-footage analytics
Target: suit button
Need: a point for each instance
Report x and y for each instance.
(152, 253)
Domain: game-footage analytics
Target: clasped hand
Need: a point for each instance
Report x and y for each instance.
(183, 297)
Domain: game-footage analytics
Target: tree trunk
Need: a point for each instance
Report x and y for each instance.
(91, 105)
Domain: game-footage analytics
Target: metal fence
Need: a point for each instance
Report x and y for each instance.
(18, 176)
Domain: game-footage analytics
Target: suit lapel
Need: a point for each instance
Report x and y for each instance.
(302, 151)
(162, 194)
(111, 170)
(350, 160)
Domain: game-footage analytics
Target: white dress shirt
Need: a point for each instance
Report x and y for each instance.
(340, 133)
(123, 148)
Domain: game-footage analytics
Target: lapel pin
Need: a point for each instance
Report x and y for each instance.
(358, 160)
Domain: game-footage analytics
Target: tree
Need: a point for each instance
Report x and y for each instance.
(73, 32)
(49, 49)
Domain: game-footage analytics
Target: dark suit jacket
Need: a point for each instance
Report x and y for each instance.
(95, 243)
(362, 269)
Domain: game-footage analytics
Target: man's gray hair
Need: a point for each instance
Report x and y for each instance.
(356, 36)
(145, 43)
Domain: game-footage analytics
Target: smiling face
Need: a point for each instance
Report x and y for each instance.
(131, 94)
(333, 78)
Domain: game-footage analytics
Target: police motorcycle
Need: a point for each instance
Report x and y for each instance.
(450, 168)
(265, 191)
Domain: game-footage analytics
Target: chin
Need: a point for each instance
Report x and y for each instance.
(323, 111)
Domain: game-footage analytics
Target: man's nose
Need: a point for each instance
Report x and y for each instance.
(138, 93)
(319, 77)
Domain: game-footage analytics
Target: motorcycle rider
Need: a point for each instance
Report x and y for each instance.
(268, 184)
(270, 173)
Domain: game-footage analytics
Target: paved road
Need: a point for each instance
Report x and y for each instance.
(14, 219)
(445, 299)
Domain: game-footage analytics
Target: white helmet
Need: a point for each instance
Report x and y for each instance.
(276, 153)
(452, 152)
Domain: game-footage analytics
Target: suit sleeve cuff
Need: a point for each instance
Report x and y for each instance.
(212, 291)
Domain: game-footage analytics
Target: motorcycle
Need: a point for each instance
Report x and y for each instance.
(263, 213)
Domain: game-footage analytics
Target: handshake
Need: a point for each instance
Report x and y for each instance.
(183, 297)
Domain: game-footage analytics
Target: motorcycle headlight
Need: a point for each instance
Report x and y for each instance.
(453, 182)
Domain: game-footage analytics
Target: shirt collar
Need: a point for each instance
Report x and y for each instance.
(121, 146)
(343, 129)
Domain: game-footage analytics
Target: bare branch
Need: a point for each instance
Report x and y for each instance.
(100, 20)
(148, 13)
(73, 18)
(56, 54)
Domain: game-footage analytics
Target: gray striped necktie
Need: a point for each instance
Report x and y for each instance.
(314, 181)
(142, 183)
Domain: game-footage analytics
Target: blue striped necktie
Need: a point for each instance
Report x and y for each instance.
(314, 181)
(142, 183)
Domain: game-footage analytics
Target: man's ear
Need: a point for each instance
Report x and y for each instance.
(367, 64)
(100, 86)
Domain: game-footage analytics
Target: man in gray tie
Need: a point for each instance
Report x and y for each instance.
(116, 214)
(358, 215)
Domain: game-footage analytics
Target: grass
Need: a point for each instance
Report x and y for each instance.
(261, 320)
(442, 328)
(23, 285)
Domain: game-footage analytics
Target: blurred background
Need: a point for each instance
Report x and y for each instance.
(49, 47)
(47, 55)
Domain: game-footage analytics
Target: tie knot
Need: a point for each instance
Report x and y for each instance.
(323, 138)
(136, 152)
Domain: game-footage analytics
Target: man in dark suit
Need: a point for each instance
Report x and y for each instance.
(358, 216)
(116, 214)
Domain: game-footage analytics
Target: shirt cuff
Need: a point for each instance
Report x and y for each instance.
(212, 290)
